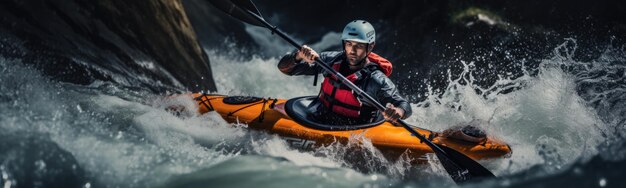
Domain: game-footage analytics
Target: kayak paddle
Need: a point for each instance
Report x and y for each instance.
(459, 166)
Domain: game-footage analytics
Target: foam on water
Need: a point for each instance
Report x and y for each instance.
(123, 137)
(546, 122)
(116, 141)
(257, 77)
(121, 142)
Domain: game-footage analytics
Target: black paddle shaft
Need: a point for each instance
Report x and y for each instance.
(459, 166)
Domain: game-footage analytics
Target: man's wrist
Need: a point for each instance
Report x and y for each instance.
(295, 57)
(401, 112)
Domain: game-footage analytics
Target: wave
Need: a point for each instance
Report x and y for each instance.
(565, 117)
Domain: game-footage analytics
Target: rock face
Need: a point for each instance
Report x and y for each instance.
(30, 160)
(133, 43)
(217, 30)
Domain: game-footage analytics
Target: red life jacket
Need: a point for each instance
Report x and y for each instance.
(340, 99)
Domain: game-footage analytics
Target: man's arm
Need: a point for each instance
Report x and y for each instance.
(302, 62)
(386, 92)
(290, 66)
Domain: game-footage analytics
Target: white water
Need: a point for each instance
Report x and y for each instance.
(546, 122)
(122, 137)
(119, 142)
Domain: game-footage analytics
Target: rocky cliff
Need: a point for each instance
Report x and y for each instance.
(134, 43)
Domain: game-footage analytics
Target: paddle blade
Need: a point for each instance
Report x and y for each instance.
(238, 8)
(460, 167)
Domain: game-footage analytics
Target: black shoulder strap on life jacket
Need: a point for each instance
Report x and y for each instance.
(331, 61)
(366, 71)
(367, 112)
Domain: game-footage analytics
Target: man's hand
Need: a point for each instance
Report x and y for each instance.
(307, 54)
(393, 113)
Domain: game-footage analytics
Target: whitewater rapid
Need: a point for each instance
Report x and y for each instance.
(546, 123)
(113, 135)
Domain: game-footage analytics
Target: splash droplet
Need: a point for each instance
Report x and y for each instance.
(602, 182)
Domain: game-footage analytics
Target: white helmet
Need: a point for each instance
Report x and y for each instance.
(359, 31)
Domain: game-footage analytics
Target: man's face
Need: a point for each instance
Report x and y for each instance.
(355, 51)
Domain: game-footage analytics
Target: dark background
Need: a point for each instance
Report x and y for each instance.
(422, 37)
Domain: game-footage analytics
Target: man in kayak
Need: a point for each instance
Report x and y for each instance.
(336, 103)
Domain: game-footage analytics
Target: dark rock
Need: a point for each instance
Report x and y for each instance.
(217, 30)
(29, 160)
(81, 41)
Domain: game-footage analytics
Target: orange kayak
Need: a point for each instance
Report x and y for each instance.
(288, 119)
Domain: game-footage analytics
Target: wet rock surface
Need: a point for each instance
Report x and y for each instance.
(152, 39)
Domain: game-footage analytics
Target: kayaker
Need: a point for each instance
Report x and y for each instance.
(336, 103)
